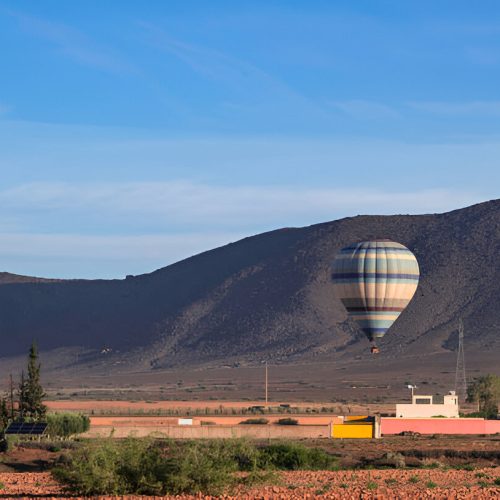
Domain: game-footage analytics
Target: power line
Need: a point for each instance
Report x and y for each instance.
(460, 380)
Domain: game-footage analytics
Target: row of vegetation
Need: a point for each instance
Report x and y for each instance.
(25, 404)
(265, 421)
(210, 411)
(148, 467)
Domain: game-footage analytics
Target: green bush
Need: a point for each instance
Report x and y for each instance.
(140, 466)
(255, 421)
(295, 456)
(4, 445)
(65, 425)
(146, 467)
(8, 442)
(209, 467)
(114, 468)
(287, 421)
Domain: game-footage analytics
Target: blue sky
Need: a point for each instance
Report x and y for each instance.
(133, 134)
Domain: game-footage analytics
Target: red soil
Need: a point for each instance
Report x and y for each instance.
(28, 483)
(364, 484)
(69, 405)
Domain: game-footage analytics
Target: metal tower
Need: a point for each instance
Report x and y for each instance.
(460, 380)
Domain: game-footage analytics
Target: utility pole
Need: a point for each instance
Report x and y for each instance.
(266, 384)
(11, 387)
(460, 380)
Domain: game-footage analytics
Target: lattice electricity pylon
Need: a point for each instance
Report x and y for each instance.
(460, 380)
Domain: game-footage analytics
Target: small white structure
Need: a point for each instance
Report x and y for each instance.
(185, 421)
(424, 407)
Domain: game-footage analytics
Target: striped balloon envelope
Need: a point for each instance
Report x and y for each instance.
(375, 280)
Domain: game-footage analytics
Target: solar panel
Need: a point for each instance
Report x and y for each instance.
(27, 428)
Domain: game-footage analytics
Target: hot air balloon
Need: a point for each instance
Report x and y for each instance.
(375, 280)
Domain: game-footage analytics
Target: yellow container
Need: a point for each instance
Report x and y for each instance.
(357, 418)
(349, 431)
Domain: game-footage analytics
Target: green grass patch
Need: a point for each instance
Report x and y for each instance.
(480, 475)
(468, 467)
(324, 489)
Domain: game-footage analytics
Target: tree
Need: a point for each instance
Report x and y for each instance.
(4, 413)
(11, 394)
(22, 394)
(31, 392)
(485, 391)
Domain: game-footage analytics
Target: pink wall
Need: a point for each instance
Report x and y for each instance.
(439, 425)
(492, 426)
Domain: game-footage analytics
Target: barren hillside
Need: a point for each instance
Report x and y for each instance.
(268, 297)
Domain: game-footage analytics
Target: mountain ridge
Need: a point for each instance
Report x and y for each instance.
(268, 296)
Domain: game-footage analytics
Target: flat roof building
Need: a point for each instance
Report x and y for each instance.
(423, 406)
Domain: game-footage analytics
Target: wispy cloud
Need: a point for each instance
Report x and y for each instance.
(74, 44)
(236, 73)
(138, 227)
(165, 248)
(185, 202)
(458, 108)
(361, 109)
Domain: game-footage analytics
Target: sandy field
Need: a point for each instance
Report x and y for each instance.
(366, 484)
(198, 408)
(85, 405)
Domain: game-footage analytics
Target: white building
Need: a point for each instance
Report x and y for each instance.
(424, 407)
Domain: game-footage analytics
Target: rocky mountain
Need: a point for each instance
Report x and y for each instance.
(268, 297)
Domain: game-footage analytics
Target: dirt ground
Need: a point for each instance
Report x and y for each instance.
(422, 451)
(379, 379)
(365, 484)
(440, 467)
(380, 484)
